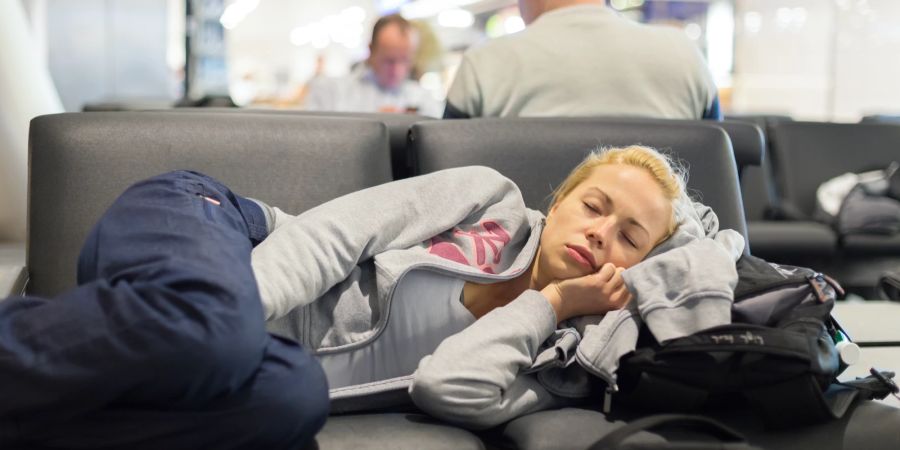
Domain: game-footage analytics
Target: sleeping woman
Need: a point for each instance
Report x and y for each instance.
(447, 288)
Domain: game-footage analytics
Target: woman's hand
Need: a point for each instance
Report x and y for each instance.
(596, 293)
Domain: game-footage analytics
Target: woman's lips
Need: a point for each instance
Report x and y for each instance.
(581, 255)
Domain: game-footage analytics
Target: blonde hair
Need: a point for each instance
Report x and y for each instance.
(668, 173)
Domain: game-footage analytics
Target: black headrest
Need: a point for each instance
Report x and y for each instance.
(81, 161)
(397, 124)
(538, 153)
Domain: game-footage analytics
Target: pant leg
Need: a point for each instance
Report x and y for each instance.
(282, 407)
(168, 314)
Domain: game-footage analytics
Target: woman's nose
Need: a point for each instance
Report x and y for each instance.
(599, 231)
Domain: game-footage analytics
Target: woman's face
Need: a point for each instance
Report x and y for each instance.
(616, 215)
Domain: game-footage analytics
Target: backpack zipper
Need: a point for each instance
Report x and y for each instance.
(774, 286)
(815, 278)
(607, 397)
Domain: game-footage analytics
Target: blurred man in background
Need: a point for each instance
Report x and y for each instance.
(580, 58)
(383, 83)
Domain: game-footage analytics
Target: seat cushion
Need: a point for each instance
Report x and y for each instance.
(773, 239)
(870, 425)
(396, 431)
(563, 428)
(871, 244)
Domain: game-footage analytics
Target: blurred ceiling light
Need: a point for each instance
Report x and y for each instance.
(236, 12)
(354, 14)
(345, 28)
(783, 17)
(301, 36)
(693, 31)
(346, 34)
(753, 22)
(513, 24)
(428, 8)
(790, 17)
(320, 42)
(455, 18)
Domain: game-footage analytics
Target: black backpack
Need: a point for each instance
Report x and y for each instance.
(778, 355)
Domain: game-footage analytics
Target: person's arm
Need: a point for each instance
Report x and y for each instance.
(474, 378)
(307, 255)
(713, 111)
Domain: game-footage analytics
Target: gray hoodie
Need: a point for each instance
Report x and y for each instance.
(326, 278)
(515, 360)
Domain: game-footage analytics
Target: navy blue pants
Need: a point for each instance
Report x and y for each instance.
(163, 344)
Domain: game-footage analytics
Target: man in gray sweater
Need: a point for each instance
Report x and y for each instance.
(579, 58)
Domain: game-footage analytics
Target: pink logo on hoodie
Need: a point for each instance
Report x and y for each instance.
(471, 247)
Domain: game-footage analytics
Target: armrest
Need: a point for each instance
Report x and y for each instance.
(12, 280)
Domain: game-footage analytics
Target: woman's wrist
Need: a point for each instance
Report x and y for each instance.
(554, 296)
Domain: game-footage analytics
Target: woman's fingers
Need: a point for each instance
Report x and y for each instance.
(620, 297)
(606, 272)
(617, 281)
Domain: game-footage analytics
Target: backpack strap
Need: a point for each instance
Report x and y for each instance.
(726, 438)
(878, 385)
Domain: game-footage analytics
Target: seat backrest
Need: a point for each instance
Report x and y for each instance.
(80, 162)
(763, 121)
(881, 118)
(806, 154)
(748, 142)
(398, 126)
(538, 153)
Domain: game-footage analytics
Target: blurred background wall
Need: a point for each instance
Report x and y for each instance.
(827, 60)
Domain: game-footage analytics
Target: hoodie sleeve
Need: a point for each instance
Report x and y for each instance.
(308, 254)
(687, 283)
(475, 378)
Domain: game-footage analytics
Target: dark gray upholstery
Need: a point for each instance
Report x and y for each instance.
(779, 240)
(763, 121)
(80, 162)
(757, 186)
(872, 245)
(881, 118)
(782, 240)
(394, 431)
(806, 154)
(748, 142)
(398, 126)
(538, 153)
(127, 105)
(803, 155)
(556, 429)
(869, 426)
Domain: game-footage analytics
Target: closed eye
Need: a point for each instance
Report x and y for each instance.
(592, 208)
(629, 240)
